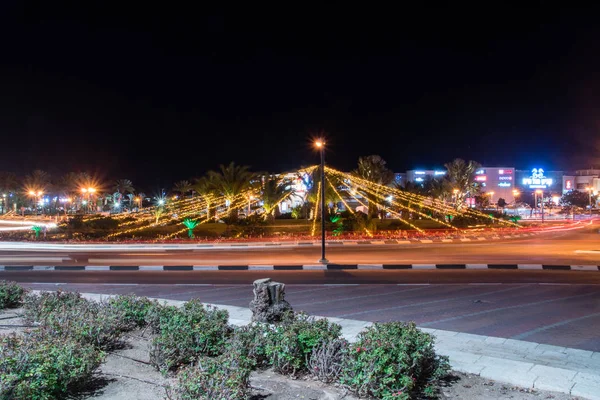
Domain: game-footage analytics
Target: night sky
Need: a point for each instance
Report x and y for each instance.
(158, 95)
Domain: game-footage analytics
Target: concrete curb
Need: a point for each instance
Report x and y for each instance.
(312, 267)
(516, 362)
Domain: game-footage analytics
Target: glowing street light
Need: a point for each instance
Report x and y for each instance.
(320, 144)
(541, 193)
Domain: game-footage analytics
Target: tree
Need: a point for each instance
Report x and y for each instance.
(206, 187)
(38, 181)
(461, 176)
(372, 168)
(122, 187)
(501, 202)
(182, 187)
(576, 198)
(8, 188)
(273, 192)
(230, 181)
(190, 224)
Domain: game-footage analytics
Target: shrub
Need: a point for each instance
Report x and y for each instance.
(226, 377)
(38, 367)
(11, 294)
(289, 344)
(393, 361)
(186, 333)
(68, 314)
(249, 341)
(38, 306)
(134, 309)
(327, 359)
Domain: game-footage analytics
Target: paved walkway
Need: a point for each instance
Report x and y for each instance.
(521, 363)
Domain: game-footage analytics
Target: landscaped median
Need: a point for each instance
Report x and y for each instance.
(127, 347)
(68, 337)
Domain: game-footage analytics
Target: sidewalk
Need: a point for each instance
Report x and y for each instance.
(516, 362)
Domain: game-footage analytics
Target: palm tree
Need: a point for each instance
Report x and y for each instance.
(273, 192)
(38, 180)
(206, 188)
(331, 197)
(461, 175)
(231, 181)
(372, 168)
(8, 188)
(122, 187)
(182, 187)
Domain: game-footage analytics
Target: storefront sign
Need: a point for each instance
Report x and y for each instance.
(537, 180)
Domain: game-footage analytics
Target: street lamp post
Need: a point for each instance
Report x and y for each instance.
(321, 146)
(516, 194)
(541, 193)
(589, 190)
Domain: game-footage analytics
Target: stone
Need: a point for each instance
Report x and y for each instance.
(269, 304)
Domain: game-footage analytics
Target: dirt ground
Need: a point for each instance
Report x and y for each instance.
(127, 375)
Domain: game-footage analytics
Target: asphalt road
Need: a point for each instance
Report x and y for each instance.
(559, 248)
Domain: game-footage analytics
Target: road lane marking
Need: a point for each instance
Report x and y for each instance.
(529, 266)
(476, 266)
(423, 266)
(431, 302)
(370, 266)
(523, 335)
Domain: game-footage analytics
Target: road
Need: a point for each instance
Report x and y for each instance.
(581, 247)
(545, 306)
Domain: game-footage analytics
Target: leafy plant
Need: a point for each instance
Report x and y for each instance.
(36, 366)
(11, 294)
(190, 225)
(68, 314)
(186, 333)
(226, 377)
(36, 229)
(393, 361)
(134, 310)
(37, 306)
(289, 345)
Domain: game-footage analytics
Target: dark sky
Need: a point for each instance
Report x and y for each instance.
(158, 95)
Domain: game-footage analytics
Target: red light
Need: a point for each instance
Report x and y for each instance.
(481, 178)
(568, 184)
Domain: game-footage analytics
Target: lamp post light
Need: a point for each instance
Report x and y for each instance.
(89, 191)
(589, 190)
(541, 193)
(36, 195)
(320, 144)
(516, 194)
(4, 203)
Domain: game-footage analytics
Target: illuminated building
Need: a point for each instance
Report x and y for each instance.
(581, 179)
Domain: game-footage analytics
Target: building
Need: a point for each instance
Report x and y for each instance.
(419, 175)
(581, 180)
(497, 182)
(549, 182)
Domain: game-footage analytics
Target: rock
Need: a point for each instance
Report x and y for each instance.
(268, 304)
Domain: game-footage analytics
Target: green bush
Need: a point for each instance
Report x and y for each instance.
(38, 306)
(186, 333)
(68, 314)
(393, 361)
(11, 294)
(134, 309)
(289, 344)
(249, 341)
(226, 377)
(36, 366)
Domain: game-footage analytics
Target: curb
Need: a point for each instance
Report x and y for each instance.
(311, 267)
